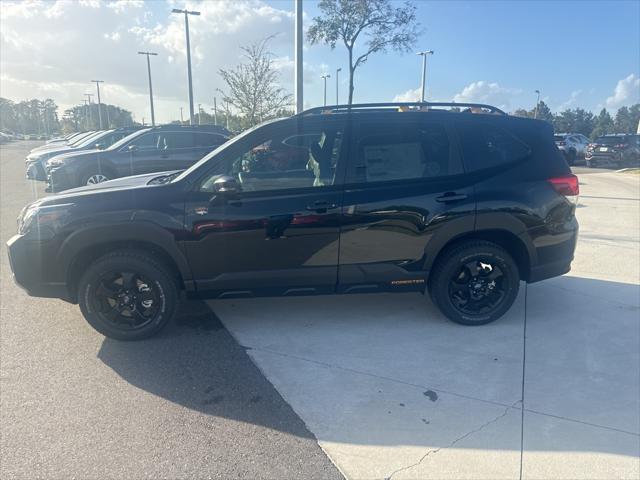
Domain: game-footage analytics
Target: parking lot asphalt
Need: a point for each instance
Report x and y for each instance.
(391, 389)
(188, 404)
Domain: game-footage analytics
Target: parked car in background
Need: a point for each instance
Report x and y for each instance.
(461, 206)
(36, 162)
(63, 139)
(572, 145)
(155, 149)
(76, 140)
(6, 138)
(618, 151)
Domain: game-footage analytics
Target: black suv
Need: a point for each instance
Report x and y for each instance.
(155, 149)
(367, 198)
(619, 150)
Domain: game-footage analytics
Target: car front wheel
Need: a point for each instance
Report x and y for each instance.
(475, 283)
(127, 295)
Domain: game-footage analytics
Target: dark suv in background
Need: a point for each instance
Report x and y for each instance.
(37, 159)
(619, 151)
(156, 149)
(353, 199)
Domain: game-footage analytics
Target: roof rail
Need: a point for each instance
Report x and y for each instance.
(387, 106)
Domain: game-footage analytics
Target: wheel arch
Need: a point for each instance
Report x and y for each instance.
(511, 242)
(86, 245)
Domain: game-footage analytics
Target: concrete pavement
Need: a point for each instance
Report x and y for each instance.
(391, 389)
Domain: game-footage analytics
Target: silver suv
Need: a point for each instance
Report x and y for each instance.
(572, 145)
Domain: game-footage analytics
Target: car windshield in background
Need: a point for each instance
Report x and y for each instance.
(93, 138)
(79, 139)
(558, 138)
(611, 140)
(123, 141)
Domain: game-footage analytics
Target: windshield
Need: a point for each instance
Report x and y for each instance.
(77, 140)
(611, 140)
(222, 147)
(127, 139)
(92, 139)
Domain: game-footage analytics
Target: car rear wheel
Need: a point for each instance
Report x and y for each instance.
(475, 283)
(127, 295)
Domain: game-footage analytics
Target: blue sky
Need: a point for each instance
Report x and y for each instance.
(577, 53)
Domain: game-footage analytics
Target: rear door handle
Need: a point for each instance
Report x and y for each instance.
(321, 206)
(451, 197)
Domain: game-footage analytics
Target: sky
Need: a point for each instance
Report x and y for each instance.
(578, 54)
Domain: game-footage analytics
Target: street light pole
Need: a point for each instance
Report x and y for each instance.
(181, 119)
(98, 82)
(186, 27)
(153, 117)
(337, 97)
(199, 114)
(89, 95)
(324, 78)
(424, 72)
(535, 114)
(299, 39)
(215, 111)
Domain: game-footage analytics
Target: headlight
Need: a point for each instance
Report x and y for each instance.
(42, 221)
(33, 158)
(53, 163)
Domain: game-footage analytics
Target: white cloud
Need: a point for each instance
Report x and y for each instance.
(627, 92)
(485, 92)
(409, 96)
(101, 40)
(571, 101)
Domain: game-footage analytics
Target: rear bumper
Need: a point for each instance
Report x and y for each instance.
(26, 265)
(554, 254)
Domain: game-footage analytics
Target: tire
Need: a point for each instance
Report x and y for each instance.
(571, 157)
(449, 287)
(128, 295)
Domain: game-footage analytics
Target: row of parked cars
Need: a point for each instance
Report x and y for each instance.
(618, 150)
(89, 158)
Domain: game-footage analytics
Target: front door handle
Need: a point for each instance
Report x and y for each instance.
(451, 197)
(321, 206)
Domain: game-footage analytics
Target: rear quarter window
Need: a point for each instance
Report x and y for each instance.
(488, 146)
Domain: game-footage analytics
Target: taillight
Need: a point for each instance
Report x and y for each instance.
(562, 144)
(567, 185)
(621, 145)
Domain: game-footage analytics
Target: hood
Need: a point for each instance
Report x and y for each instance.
(73, 154)
(137, 181)
(43, 154)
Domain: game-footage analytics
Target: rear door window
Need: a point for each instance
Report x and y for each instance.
(209, 139)
(175, 140)
(401, 151)
(487, 146)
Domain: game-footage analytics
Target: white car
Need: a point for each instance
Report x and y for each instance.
(572, 145)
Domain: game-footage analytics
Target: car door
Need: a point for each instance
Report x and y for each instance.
(405, 190)
(141, 155)
(276, 229)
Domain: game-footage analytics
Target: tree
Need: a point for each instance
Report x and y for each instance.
(543, 112)
(564, 121)
(603, 124)
(383, 27)
(253, 86)
(623, 121)
(634, 113)
(521, 112)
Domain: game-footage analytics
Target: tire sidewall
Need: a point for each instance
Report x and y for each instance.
(161, 280)
(440, 292)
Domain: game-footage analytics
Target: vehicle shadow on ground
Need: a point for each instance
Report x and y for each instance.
(196, 363)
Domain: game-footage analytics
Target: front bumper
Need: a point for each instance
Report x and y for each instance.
(35, 171)
(25, 260)
(57, 180)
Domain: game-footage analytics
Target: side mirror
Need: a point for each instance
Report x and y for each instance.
(226, 185)
(99, 146)
(132, 148)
